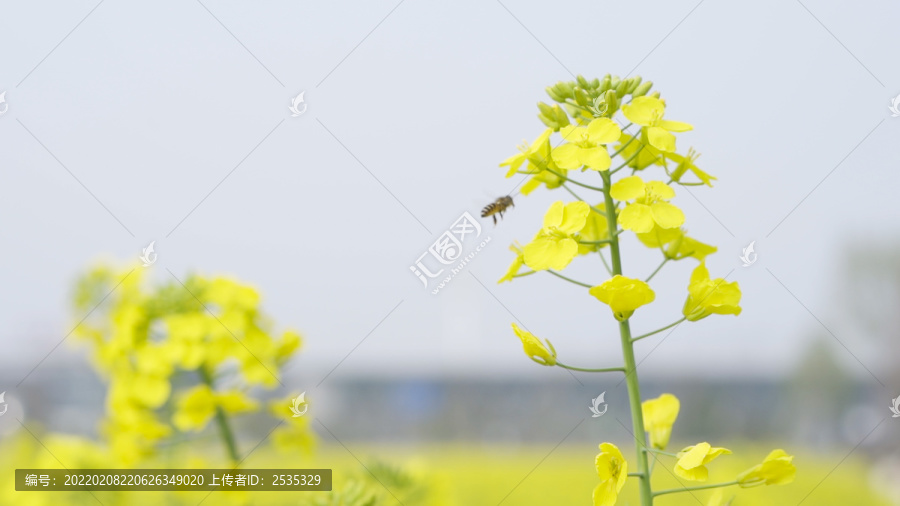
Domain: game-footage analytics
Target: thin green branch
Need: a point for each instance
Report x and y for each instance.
(522, 275)
(660, 266)
(570, 280)
(221, 420)
(626, 162)
(605, 264)
(657, 331)
(691, 489)
(567, 178)
(582, 369)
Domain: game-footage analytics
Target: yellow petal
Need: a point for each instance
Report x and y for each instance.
(567, 157)
(574, 217)
(666, 215)
(550, 253)
(674, 126)
(603, 131)
(644, 110)
(595, 158)
(628, 188)
(661, 139)
(554, 215)
(636, 217)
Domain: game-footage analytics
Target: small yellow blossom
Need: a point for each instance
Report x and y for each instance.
(649, 206)
(197, 406)
(596, 229)
(534, 348)
(517, 264)
(659, 415)
(692, 461)
(710, 296)
(586, 146)
(675, 243)
(612, 468)
(555, 246)
(648, 112)
(623, 295)
(686, 163)
(776, 469)
(640, 155)
(537, 154)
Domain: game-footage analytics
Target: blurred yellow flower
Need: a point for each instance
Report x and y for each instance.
(649, 205)
(586, 146)
(197, 406)
(517, 264)
(692, 461)
(544, 355)
(648, 112)
(612, 468)
(623, 295)
(776, 469)
(641, 155)
(710, 296)
(596, 229)
(537, 154)
(675, 243)
(659, 415)
(685, 164)
(555, 246)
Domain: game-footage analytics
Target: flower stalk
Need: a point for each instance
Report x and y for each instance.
(225, 431)
(631, 379)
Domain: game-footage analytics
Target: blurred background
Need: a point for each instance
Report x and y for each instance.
(169, 122)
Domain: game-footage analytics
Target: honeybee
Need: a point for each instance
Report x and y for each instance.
(496, 207)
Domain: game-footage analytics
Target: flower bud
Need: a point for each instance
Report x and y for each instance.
(582, 98)
(582, 82)
(554, 95)
(642, 90)
(605, 83)
(633, 83)
(622, 88)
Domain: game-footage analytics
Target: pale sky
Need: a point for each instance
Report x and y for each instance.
(145, 115)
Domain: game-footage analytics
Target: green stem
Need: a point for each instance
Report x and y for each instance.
(522, 275)
(570, 280)
(699, 487)
(605, 241)
(582, 369)
(605, 263)
(660, 266)
(634, 389)
(221, 420)
(626, 162)
(657, 331)
(660, 452)
(579, 183)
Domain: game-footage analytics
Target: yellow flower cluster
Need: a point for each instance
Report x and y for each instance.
(142, 339)
(659, 416)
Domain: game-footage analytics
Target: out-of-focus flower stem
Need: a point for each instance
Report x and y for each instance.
(634, 392)
(221, 420)
(700, 487)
